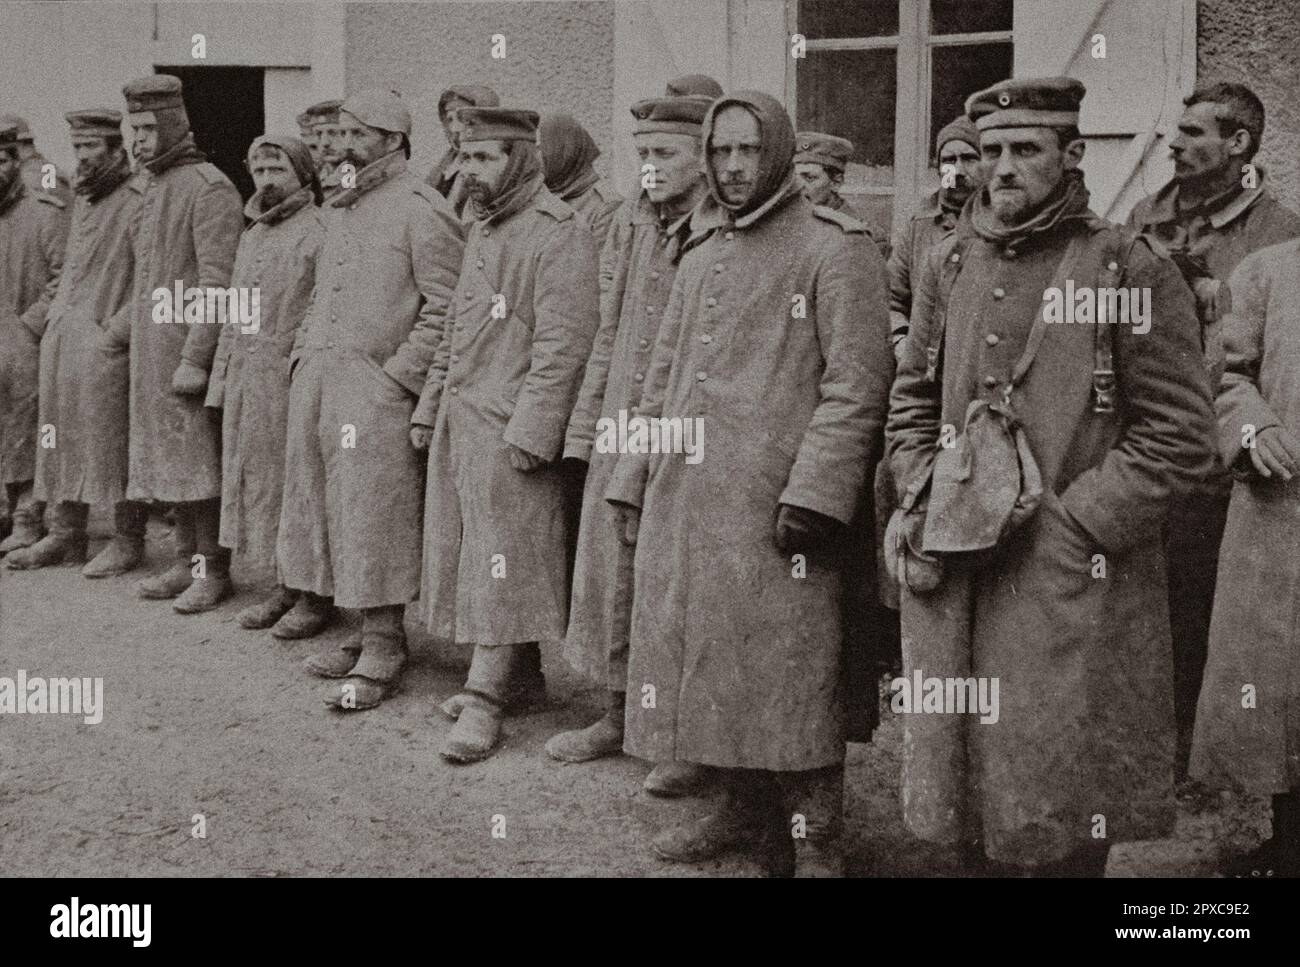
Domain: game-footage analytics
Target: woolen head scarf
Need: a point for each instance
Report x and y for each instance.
(776, 156)
(567, 153)
(521, 179)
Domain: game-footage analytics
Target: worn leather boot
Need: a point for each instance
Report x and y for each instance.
(212, 584)
(1279, 855)
(28, 526)
(525, 691)
(738, 822)
(672, 780)
(477, 731)
(64, 544)
(378, 668)
(814, 820)
(336, 661)
(267, 611)
(171, 582)
(602, 738)
(125, 551)
(310, 615)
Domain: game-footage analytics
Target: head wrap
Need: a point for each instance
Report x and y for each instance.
(567, 153)
(776, 156)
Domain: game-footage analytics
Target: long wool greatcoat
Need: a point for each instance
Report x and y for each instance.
(33, 235)
(637, 268)
(776, 336)
(1255, 631)
(250, 376)
(85, 375)
(494, 564)
(350, 521)
(187, 231)
(1081, 655)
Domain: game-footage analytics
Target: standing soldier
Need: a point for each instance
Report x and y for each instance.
(957, 148)
(1213, 213)
(185, 238)
(567, 154)
(350, 521)
(1248, 719)
(38, 174)
(443, 175)
(33, 235)
(1059, 618)
(776, 340)
(525, 314)
(250, 377)
(324, 119)
(638, 265)
(84, 368)
(819, 161)
(308, 134)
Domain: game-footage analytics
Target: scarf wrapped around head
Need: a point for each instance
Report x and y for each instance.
(299, 156)
(567, 154)
(776, 156)
(1068, 200)
(519, 182)
(102, 180)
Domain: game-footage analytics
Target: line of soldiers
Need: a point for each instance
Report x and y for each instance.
(416, 416)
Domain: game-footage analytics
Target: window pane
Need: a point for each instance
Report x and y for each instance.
(959, 72)
(969, 16)
(848, 18)
(852, 93)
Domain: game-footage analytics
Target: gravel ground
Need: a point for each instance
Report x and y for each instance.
(203, 718)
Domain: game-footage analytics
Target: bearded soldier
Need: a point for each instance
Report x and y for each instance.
(495, 407)
(638, 265)
(84, 367)
(443, 175)
(1215, 211)
(567, 155)
(775, 341)
(33, 235)
(350, 520)
(1034, 463)
(184, 242)
(250, 377)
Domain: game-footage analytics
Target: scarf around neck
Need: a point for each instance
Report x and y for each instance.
(1069, 200)
(278, 213)
(520, 181)
(104, 179)
(183, 152)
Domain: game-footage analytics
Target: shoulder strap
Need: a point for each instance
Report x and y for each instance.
(1114, 259)
(1065, 269)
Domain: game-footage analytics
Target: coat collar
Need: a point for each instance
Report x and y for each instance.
(273, 216)
(372, 176)
(1219, 211)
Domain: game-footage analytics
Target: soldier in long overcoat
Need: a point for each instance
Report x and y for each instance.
(638, 264)
(33, 235)
(351, 518)
(775, 343)
(493, 414)
(84, 378)
(1248, 718)
(250, 376)
(1062, 626)
(184, 242)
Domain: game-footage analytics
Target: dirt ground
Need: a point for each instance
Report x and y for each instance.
(204, 718)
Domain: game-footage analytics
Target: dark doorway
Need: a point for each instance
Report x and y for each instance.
(226, 109)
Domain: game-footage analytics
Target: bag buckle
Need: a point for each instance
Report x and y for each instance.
(1103, 391)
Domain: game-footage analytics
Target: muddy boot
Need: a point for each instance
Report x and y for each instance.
(814, 819)
(125, 551)
(336, 661)
(268, 611)
(526, 689)
(171, 582)
(64, 544)
(494, 674)
(477, 731)
(310, 615)
(28, 520)
(602, 738)
(742, 815)
(671, 780)
(1279, 855)
(378, 668)
(211, 584)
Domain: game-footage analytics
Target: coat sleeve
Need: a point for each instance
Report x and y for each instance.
(218, 220)
(53, 242)
(591, 396)
(426, 408)
(566, 315)
(626, 485)
(1239, 403)
(900, 283)
(437, 245)
(1166, 443)
(852, 317)
(916, 401)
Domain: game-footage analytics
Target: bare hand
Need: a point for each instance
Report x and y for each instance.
(189, 380)
(420, 436)
(1275, 452)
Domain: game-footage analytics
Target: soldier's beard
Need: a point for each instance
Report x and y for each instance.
(271, 195)
(7, 177)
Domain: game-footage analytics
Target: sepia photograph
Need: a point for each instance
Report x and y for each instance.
(650, 438)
